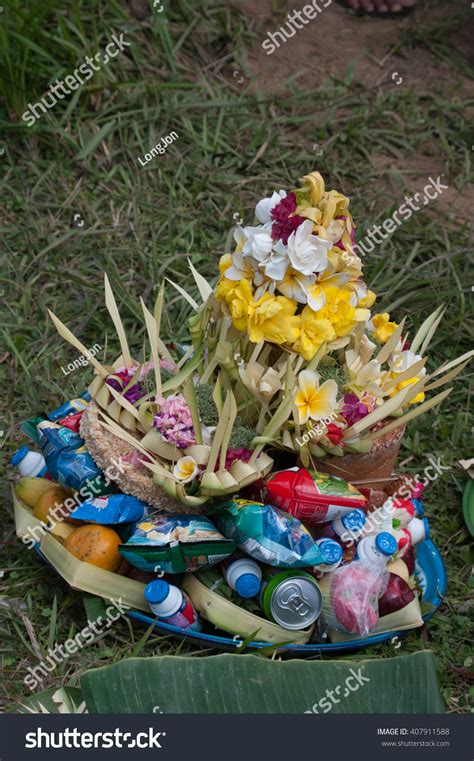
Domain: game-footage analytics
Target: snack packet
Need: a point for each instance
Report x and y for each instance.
(175, 544)
(110, 509)
(68, 461)
(70, 408)
(268, 534)
(312, 497)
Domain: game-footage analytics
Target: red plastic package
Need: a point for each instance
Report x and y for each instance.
(312, 497)
(72, 421)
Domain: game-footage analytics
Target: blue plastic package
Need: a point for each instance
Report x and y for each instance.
(68, 461)
(268, 534)
(109, 509)
(69, 408)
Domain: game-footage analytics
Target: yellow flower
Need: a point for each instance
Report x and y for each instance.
(225, 289)
(224, 263)
(368, 300)
(420, 397)
(382, 327)
(338, 309)
(271, 318)
(186, 469)
(240, 303)
(314, 401)
(313, 332)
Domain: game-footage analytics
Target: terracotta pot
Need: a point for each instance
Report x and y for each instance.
(374, 468)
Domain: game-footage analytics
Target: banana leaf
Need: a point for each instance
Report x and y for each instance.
(55, 700)
(250, 684)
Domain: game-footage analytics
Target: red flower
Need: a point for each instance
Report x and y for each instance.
(334, 434)
(283, 224)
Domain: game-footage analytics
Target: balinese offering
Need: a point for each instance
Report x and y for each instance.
(280, 419)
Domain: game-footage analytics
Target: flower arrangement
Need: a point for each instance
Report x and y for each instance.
(293, 279)
(286, 355)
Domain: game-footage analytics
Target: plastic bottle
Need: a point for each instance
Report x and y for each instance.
(419, 530)
(377, 550)
(346, 528)
(30, 464)
(171, 605)
(243, 575)
(332, 553)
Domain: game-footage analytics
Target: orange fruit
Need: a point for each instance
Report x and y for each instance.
(95, 544)
(48, 500)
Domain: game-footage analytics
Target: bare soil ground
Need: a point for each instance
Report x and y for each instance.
(373, 53)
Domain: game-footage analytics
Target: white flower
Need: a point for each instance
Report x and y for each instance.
(405, 359)
(264, 207)
(276, 265)
(241, 267)
(307, 252)
(186, 469)
(295, 286)
(258, 242)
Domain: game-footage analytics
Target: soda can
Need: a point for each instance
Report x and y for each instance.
(291, 599)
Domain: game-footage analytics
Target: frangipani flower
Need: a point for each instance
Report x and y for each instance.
(295, 285)
(241, 267)
(265, 207)
(313, 401)
(186, 469)
(403, 360)
(307, 252)
(381, 327)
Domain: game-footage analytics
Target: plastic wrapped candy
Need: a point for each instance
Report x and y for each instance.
(351, 595)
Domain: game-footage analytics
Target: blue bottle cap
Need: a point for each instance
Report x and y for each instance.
(354, 520)
(247, 585)
(418, 507)
(386, 543)
(157, 591)
(331, 551)
(19, 455)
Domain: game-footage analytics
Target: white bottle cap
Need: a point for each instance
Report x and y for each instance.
(419, 529)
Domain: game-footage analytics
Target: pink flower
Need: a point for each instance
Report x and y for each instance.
(237, 454)
(353, 409)
(174, 421)
(283, 224)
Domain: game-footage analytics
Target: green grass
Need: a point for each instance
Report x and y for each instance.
(235, 144)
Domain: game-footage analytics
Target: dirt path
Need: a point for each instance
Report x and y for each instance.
(370, 52)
